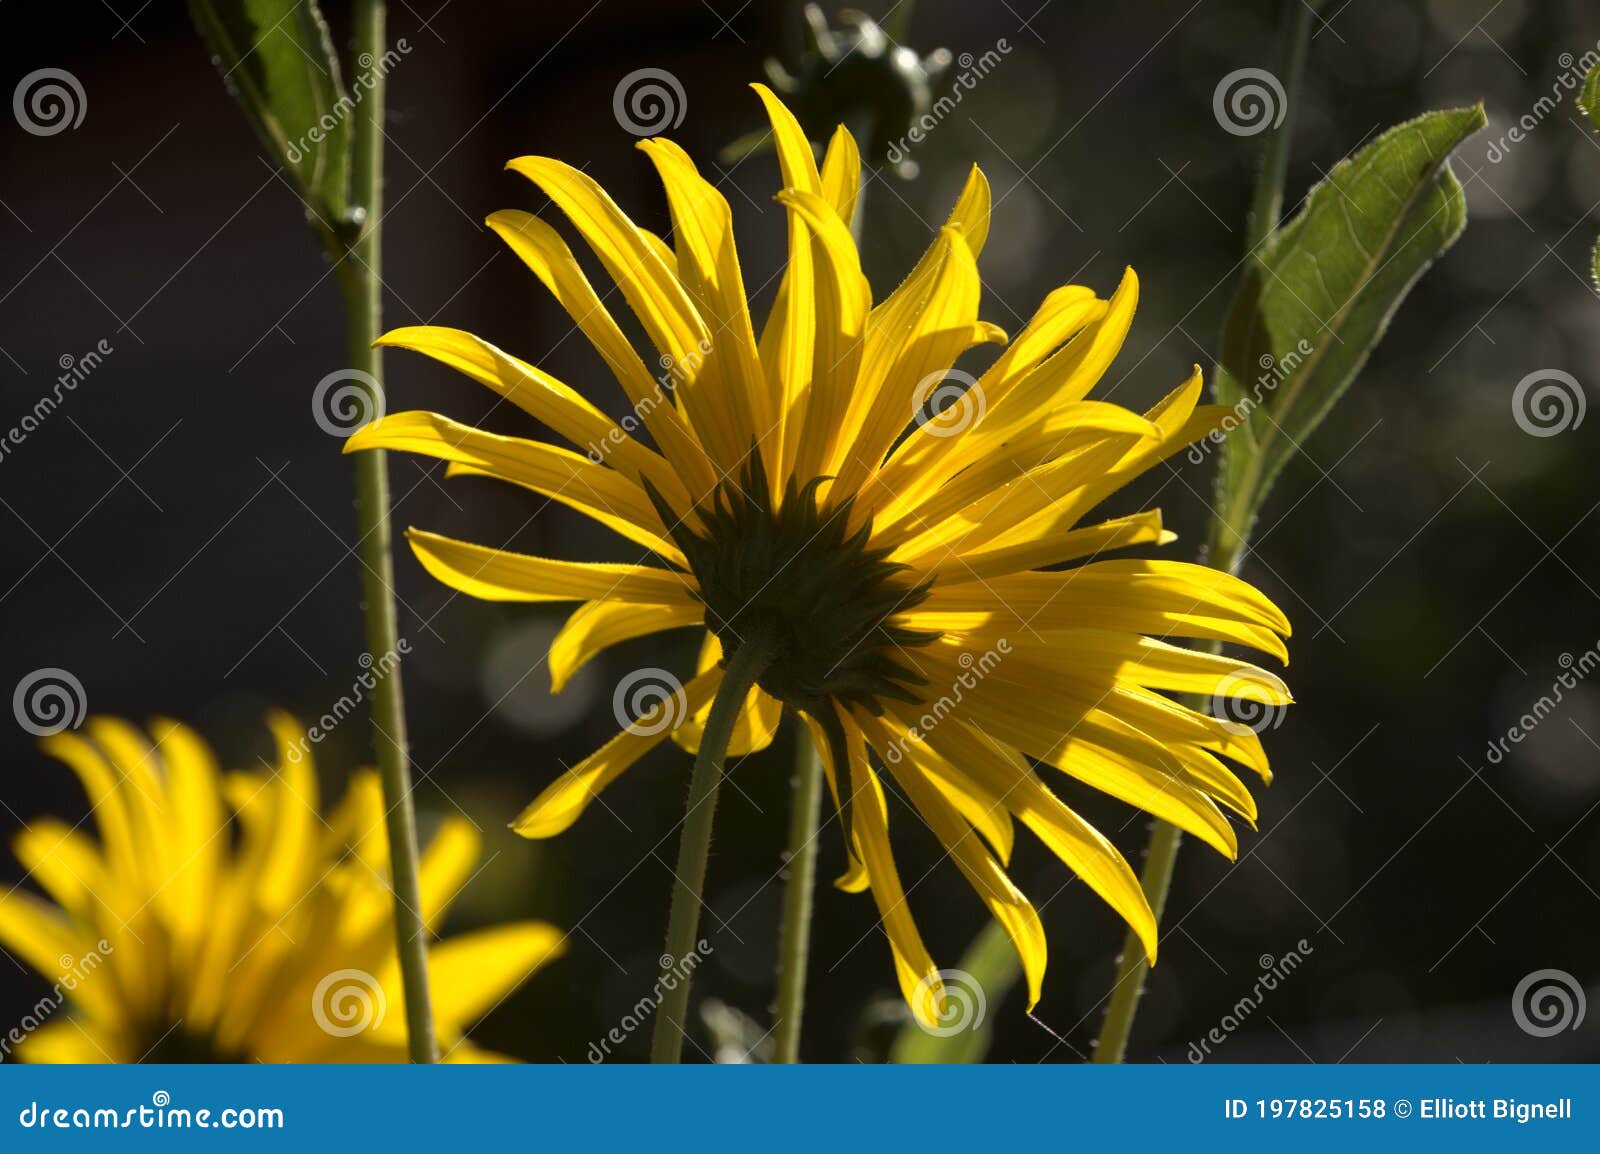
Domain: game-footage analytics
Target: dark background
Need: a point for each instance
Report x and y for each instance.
(176, 534)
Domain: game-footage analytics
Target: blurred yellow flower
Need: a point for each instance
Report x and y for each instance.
(889, 529)
(222, 918)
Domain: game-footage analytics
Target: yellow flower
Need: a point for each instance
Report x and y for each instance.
(902, 564)
(222, 918)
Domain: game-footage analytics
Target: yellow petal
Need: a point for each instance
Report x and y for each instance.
(854, 879)
(1008, 905)
(70, 1043)
(843, 300)
(496, 575)
(446, 866)
(795, 157)
(1078, 844)
(998, 560)
(571, 478)
(708, 266)
(565, 799)
(544, 398)
(543, 251)
(472, 973)
(597, 625)
(911, 340)
(919, 977)
(651, 289)
(841, 174)
(49, 941)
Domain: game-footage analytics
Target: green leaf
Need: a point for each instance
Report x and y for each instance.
(992, 965)
(1589, 102)
(277, 58)
(1317, 297)
(1589, 96)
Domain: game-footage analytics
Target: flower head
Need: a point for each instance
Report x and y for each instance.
(223, 918)
(895, 531)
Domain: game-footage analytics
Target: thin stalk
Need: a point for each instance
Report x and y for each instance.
(359, 272)
(794, 942)
(1228, 536)
(753, 656)
(1266, 205)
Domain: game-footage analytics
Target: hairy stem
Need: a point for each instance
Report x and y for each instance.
(359, 273)
(794, 944)
(754, 654)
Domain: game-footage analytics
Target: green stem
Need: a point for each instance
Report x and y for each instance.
(359, 272)
(794, 944)
(1228, 536)
(1266, 205)
(753, 656)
